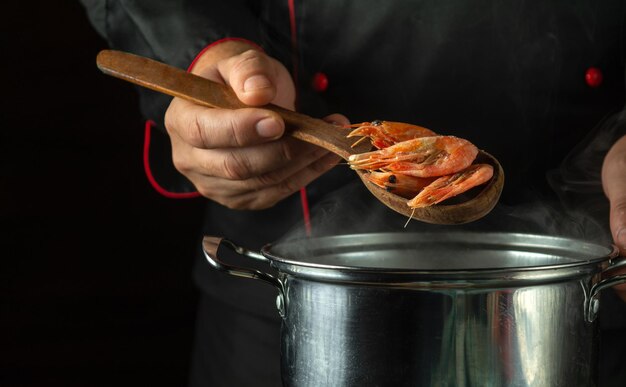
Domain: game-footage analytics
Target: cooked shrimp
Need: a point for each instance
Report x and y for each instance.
(448, 186)
(383, 134)
(401, 185)
(420, 157)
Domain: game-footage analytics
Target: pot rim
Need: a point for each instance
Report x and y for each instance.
(597, 258)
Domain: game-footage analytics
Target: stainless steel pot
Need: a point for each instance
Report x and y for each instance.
(440, 309)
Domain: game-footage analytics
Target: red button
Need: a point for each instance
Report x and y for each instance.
(593, 77)
(319, 82)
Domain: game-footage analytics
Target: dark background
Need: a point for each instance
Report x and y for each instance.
(95, 266)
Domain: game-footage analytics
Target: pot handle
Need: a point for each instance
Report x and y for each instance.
(211, 244)
(608, 282)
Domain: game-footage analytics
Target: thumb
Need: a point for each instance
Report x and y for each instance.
(258, 79)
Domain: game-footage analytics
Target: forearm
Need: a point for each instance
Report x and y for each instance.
(614, 185)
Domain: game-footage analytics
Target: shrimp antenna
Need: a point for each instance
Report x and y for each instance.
(410, 217)
(358, 142)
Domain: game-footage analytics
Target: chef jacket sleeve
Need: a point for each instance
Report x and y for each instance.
(173, 32)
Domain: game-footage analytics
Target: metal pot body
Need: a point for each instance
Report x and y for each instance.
(362, 335)
(436, 310)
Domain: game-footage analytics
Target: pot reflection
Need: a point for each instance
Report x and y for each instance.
(349, 336)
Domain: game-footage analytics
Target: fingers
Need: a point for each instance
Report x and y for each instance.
(254, 176)
(246, 163)
(258, 79)
(217, 128)
(264, 191)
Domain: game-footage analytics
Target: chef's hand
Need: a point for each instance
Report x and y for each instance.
(614, 184)
(239, 158)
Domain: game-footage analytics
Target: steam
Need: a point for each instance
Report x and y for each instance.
(578, 182)
(361, 213)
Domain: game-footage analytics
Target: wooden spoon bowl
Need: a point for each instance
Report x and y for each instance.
(178, 83)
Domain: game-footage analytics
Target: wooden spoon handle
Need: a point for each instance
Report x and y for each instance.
(178, 83)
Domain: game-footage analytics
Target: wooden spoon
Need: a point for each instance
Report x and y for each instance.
(178, 83)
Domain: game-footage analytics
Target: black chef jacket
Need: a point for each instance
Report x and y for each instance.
(508, 76)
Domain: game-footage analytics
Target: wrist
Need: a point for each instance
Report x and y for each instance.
(219, 50)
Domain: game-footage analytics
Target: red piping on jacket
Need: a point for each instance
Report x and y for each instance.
(294, 43)
(148, 171)
(294, 62)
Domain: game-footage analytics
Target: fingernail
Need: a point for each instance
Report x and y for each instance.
(269, 127)
(256, 82)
